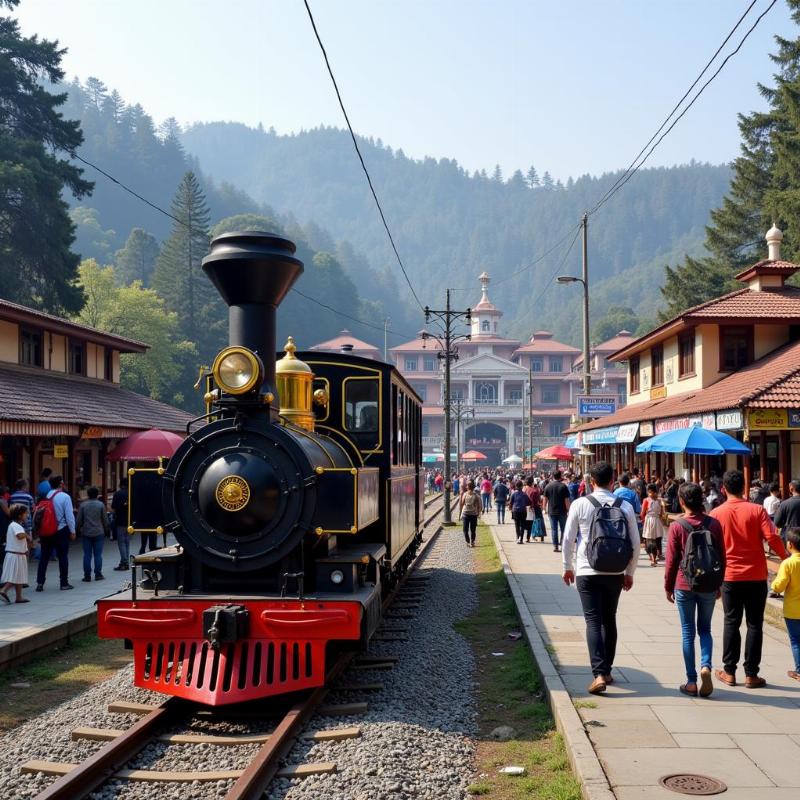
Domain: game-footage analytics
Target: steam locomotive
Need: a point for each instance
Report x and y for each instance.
(295, 502)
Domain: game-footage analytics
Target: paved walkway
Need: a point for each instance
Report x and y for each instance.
(642, 728)
(38, 623)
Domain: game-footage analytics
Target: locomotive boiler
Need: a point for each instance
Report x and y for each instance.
(294, 503)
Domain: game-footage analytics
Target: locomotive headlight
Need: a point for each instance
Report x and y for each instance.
(337, 576)
(237, 370)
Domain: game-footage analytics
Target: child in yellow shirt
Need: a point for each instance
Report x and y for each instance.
(788, 582)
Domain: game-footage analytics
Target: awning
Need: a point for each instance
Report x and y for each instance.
(627, 433)
(601, 436)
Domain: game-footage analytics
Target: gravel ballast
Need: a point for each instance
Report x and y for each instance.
(416, 738)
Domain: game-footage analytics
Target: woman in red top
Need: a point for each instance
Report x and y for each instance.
(694, 608)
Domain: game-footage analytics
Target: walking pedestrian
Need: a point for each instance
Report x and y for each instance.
(693, 574)
(745, 526)
(556, 505)
(518, 503)
(788, 582)
(119, 505)
(501, 495)
(471, 509)
(92, 525)
(486, 491)
(788, 513)
(652, 525)
(15, 562)
(638, 484)
(772, 501)
(534, 525)
(60, 505)
(43, 489)
(626, 493)
(596, 533)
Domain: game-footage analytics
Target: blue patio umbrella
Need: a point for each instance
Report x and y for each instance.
(696, 440)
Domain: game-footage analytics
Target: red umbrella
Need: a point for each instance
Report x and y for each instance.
(146, 446)
(473, 455)
(556, 453)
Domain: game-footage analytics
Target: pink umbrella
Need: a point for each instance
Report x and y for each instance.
(473, 455)
(556, 453)
(146, 446)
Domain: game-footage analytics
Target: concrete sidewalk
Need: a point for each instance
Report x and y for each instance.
(53, 615)
(642, 728)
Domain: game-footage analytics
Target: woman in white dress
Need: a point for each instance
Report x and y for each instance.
(653, 527)
(15, 564)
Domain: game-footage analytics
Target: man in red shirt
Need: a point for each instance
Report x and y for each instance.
(745, 527)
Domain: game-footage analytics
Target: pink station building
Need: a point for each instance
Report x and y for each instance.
(504, 391)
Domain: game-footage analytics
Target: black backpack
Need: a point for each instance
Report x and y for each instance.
(701, 563)
(608, 548)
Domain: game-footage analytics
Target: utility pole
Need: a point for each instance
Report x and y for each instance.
(530, 414)
(446, 318)
(386, 322)
(587, 367)
(461, 412)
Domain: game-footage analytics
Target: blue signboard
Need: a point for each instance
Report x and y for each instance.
(596, 405)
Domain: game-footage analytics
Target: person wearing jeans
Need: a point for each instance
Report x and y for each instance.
(599, 591)
(745, 527)
(557, 504)
(557, 521)
(59, 541)
(92, 524)
(694, 608)
(788, 581)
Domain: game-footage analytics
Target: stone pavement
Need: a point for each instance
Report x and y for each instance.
(52, 614)
(643, 728)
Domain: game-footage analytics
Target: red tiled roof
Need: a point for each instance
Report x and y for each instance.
(344, 337)
(767, 267)
(484, 305)
(14, 312)
(770, 382)
(771, 305)
(547, 346)
(30, 394)
(416, 344)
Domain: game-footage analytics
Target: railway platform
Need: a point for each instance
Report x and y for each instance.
(53, 616)
(623, 743)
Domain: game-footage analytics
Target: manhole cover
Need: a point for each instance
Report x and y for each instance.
(693, 784)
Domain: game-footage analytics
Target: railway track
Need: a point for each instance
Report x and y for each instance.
(77, 781)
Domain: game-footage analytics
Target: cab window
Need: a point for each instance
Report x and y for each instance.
(361, 406)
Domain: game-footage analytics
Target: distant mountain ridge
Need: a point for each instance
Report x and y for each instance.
(451, 225)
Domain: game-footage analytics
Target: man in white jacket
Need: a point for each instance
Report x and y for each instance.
(599, 591)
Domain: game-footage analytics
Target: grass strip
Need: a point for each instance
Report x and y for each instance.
(60, 675)
(510, 694)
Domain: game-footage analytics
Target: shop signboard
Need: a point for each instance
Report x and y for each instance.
(658, 393)
(729, 420)
(627, 433)
(596, 405)
(646, 429)
(794, 418)
(92, 432)
(768, 419)
(601, 435)
(60, 451)
(673, 424)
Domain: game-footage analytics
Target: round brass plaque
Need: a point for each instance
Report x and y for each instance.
(233, 493)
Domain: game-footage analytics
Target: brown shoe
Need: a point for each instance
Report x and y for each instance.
(725, 677)
(688, 688)
(754, 682)
(706, 686)
(597, 686)
(608, 679)
(793, 675)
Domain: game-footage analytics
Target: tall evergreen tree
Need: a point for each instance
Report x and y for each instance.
(37, 265)
(547, 180)
(178, 276)
(135, 261)
(763, 189)
(533, 177)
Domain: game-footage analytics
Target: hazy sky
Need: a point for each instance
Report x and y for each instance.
(572, 86)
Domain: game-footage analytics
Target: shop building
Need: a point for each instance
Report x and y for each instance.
(61, 405)
(732, 363)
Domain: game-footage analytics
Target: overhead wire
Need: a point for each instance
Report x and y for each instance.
(360, 156)
(632, 170)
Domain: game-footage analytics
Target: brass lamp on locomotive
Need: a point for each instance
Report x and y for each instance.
(294, 503)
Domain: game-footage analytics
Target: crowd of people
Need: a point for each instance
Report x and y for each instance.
(40, 525)
(712, 540)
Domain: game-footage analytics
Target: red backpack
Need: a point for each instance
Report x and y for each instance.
(45, 522)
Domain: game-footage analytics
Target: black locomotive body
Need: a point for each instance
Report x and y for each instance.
(295, 502)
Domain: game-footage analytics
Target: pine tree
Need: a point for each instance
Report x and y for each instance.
(135, 261)
(547, 181)
(178, 276)
(497, 175)
(97, 91)
(763, 189)
(533, 177)
(37, 265)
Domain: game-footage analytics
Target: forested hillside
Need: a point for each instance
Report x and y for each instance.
(450, 225)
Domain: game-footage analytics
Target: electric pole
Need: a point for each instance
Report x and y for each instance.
(461, 412)
(587, 367)
(386, 322)
(448, 353)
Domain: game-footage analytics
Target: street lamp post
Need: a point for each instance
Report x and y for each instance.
(460, 412)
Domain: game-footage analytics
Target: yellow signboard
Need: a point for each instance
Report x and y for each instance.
(92, 432)
(659, 393)
(768, 419)
(60, 451)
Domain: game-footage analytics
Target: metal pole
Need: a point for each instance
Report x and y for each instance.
(587, 369)
(458, 435)
(530, 414)
(386, 338)
(448, 520)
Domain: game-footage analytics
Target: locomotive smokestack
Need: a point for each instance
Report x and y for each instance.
(253, 271)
